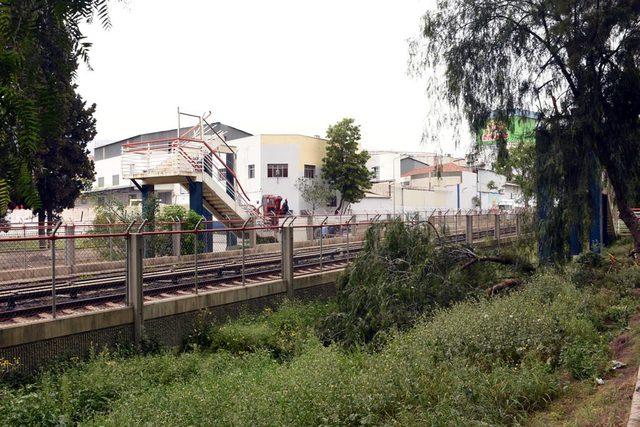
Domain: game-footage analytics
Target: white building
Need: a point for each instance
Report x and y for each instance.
(272, 165)
(390, 165)
(263, 164)
(453, 186)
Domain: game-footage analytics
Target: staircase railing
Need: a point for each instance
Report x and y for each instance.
(184, 156)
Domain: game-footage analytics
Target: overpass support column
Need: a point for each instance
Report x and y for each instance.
(196, 204)
(469, 229)
(134, 283)
(287, 259)
(147, 192)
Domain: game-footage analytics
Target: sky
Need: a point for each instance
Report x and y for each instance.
(278, 66)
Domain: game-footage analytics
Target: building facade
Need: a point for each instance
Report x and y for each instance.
(273, 164)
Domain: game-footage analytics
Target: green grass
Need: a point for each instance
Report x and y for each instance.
(489, 361)
(480, 361)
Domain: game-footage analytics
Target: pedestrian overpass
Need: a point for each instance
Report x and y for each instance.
(201, 161)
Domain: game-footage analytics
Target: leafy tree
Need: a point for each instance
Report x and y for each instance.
(314, 191)
(575, 61)
(189, 219)
(520, 169)
(41, 47)
(344, 165)
(65, 168)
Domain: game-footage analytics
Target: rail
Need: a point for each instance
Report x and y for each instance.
(65, 273)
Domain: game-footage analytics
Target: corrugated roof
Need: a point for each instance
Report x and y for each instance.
(230, 132)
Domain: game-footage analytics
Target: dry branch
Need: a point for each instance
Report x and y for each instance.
(505, 284)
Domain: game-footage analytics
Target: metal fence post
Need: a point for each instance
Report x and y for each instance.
(469, 231)
(456, 218)
(53, 269)
(348, 226)
(287, 259)
(135, 298)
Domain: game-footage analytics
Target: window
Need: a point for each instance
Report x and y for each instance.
(222, 174)
(98, 153)
(164, 197)
(115, 180)
(277, 170)
(309, 171)
(252, 171)
(376, 172)
(100, 181)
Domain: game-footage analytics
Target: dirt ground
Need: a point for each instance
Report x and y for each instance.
(588, 404)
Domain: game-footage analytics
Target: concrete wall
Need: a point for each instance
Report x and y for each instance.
(167, 322)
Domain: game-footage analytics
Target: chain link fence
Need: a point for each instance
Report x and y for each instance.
(69, 269)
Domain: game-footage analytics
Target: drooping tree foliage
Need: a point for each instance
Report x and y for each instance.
(574, 61)
(41, 47)
(344, 166)
(404, 271)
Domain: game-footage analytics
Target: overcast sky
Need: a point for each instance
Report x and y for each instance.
(278, 66)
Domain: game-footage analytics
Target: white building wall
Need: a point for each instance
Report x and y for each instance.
(283, 187)
(388, 164)
(249, 152)
(106, 169)
(373, 205)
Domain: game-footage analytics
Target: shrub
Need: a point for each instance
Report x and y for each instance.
(399, 275)
(282, 333)
(486, 361)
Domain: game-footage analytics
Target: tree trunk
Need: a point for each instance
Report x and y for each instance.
(49, 224)
(41, 230)
(625, 213)
(339, 207)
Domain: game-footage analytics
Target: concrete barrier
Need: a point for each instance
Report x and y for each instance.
(166, 322)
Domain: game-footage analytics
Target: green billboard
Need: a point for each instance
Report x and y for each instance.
(520, 127)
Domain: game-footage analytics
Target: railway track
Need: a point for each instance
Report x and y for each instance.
(31, 300)
(72, 293)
